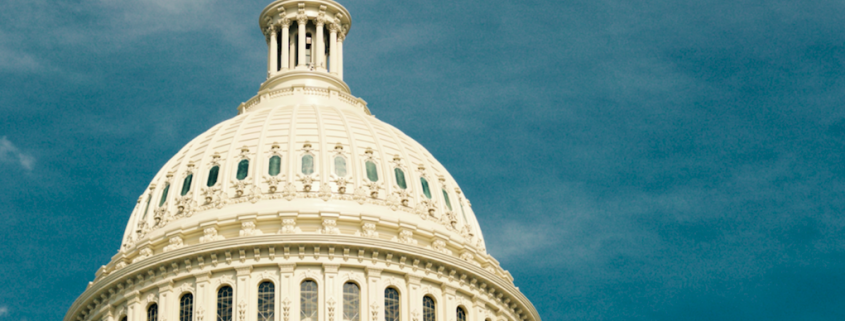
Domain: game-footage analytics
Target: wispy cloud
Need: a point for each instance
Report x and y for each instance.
(9, 153)
(4, 311)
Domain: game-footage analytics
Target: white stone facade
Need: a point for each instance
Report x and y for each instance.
(304, 184)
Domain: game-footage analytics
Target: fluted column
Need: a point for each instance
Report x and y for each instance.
(285, 46)
(321, 46)
(272, 56)
(339, 58)
(333, 47)
(302, 21)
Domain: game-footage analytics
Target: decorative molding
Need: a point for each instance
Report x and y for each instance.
(368, 229)
(175, 244)
(329, 227)
(210, 235)
(248, 229)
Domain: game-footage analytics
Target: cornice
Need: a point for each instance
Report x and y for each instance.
(427, 260)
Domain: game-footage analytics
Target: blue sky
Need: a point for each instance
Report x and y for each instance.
(646, 160)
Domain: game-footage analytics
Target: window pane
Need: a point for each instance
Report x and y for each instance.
(243, 169)
(212, 176)
(462, 314)
(224, 304)
(446, 198)
(351, 302)
(429, 309)
(275, 165)
(186, 308)
(340, 166)
(186, 184)
(147, 210)
(425, 189)
(391, 304)
(164, 195)
(400, 178)
(152, 313)
(372, 173)
(308, 301)
(266, 300)
(307, 164)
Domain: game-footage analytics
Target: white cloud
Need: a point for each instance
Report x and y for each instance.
(4, 310)
(11, 153)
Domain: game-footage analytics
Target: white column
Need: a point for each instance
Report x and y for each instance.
(273, 56)
(201, 295)
(321, 47)
(334, 293)
(300, 50)
(415, 303)
(375, 293)
(450, 304)
(333, 48)
(242, 292)
(288, 299)
(292, 62)
(285, 43)
(165, 311)
(133, 307)
(339, 58)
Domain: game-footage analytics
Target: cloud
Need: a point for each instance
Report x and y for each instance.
(12, 154)
(4, 310)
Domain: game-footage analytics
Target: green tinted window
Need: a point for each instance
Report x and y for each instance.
(275, 165)
(212, 176)
(400, 178)
(372, 173)
(340, 166)
(446, 199)
(164, 195)
(425, 189)
(243, 169)
(186, 184)
(307, 164)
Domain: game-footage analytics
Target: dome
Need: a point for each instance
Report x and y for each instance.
(303, 207)
(304, 151)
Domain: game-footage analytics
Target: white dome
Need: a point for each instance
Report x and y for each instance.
(291, 123)
(296, 209)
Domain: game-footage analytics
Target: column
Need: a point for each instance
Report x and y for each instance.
(450, 304)
(202, 294)
(242, 291)
(321, 47)
(340, 55)
(287, 298)
(415, 305)
(133, 307)
(334, 293)
(285, 43)
(333, 47)
(165, 310)
(273, 56)
(375, 298)
(478, 305)
(292, 50)
(300, 49)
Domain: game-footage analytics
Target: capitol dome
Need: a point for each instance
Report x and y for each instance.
(305, 207)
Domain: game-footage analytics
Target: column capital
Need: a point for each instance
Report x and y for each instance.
(301, 17)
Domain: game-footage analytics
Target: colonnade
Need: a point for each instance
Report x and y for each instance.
(288, 48)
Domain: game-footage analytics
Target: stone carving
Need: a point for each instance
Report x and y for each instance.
(440, 246)
(289, 192)
(210, 235)
(331, 304)
(200, 313)
(226, 279)
(330, 227)
(286, 309)
(325, 192)
(242, 311)
(186, 287)
(143, 254)
(374, 311)
(248, 229)
(289, 226)
(368, 230)
(360, 195)
(175, 243)
(185, 206)
(152, 298)
(467, 256)
(405, 236)
(273, 182)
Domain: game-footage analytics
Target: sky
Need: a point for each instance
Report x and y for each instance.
(627, 160)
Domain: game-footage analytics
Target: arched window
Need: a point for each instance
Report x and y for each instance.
(400, 178)
(186, 184)
(429, 309)
(164, 195)
(275, 165)
(308, 301)
(152, 312)
(391, 304)
(212, 176)
(307, 164)
(372, 173)
(124, 318)
(186, 307)
(351, 302)
(446, 199)
(224, 304)
(243, 169)
(340, 166)
(266, 301)
(425, 189)
(461, 314)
